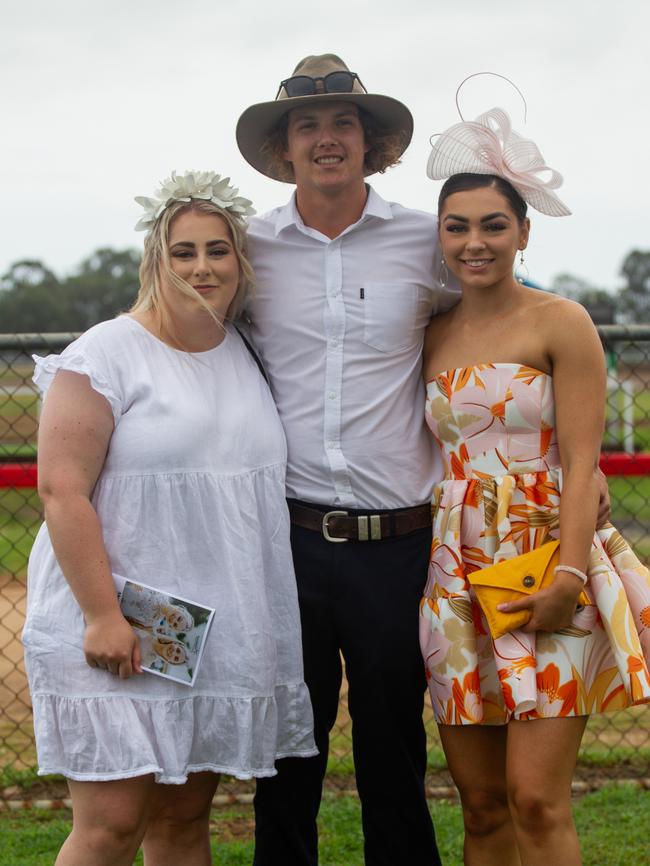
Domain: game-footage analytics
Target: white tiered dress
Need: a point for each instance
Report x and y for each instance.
(191, 500)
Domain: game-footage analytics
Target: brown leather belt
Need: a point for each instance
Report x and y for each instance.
(338, 525)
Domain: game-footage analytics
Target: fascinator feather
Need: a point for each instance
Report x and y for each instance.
(489, 145)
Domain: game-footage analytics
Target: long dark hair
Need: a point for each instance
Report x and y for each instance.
(467, 181)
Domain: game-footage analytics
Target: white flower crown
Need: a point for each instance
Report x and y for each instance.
(204, 185)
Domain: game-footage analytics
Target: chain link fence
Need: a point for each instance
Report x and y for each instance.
(615, 744)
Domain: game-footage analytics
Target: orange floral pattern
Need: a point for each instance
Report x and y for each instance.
(495, 424)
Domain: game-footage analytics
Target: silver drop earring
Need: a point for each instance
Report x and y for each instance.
(521, 271)
(443, 273)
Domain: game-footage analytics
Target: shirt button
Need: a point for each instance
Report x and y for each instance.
(332, 395)
(335, 343)
(330, 445)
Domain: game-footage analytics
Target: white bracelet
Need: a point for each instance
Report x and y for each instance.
(583, 577)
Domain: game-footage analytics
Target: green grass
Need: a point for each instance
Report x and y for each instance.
(18, 421)
(20, 519)
(630, 498)
(12, 406)
(622, 737)
(20, 451)
(612, 825)
(603, 757)
(31, 838)
(641, 419)
(15, 544)
(25, 779)
(17, 748)
(19, 505)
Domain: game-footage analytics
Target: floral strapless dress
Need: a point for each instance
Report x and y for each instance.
(495, 426)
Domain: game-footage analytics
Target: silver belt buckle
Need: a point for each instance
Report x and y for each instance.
(369, 527)
(326, 534)
(375, 527)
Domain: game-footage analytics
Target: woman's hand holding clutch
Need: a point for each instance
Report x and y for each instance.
(551, 608)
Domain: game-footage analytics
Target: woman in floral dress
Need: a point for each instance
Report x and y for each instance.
(515, 398)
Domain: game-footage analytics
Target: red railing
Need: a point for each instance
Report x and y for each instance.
(621, 463)
(18, 475)
(611, 462)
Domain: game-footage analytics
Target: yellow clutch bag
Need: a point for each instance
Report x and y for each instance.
(513, 579)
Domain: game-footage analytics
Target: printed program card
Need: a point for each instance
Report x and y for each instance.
(172, 630)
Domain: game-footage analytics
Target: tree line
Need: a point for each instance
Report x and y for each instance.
(629, 303)
(34, 299)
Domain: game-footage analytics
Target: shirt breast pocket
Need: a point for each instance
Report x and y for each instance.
(389, 315)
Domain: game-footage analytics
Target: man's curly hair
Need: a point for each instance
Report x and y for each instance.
(385, 146)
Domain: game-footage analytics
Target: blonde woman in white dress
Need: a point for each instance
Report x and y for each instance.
(162, 459)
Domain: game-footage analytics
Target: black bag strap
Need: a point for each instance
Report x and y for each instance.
(256, 357)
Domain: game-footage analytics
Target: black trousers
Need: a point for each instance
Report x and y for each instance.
(359, 599)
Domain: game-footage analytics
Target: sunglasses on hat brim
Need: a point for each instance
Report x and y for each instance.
(333, 82)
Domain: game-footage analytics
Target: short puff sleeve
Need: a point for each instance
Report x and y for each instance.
(84, 356)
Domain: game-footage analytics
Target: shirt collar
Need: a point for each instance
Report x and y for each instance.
(376, 206)
(289, 215)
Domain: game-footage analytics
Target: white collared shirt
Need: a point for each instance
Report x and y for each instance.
(339, 325)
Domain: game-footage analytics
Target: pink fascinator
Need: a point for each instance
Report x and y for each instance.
(489, 145)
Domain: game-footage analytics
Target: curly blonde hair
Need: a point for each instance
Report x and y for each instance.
(156, 266)
(385, 147)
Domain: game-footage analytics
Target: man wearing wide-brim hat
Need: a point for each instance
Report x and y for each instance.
(345, 290)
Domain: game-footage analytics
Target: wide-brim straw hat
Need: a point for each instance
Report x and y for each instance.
(258, 121)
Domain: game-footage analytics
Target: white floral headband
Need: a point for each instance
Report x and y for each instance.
(205, 185)
(489, 145)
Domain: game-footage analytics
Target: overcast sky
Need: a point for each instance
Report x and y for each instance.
(100, 99)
